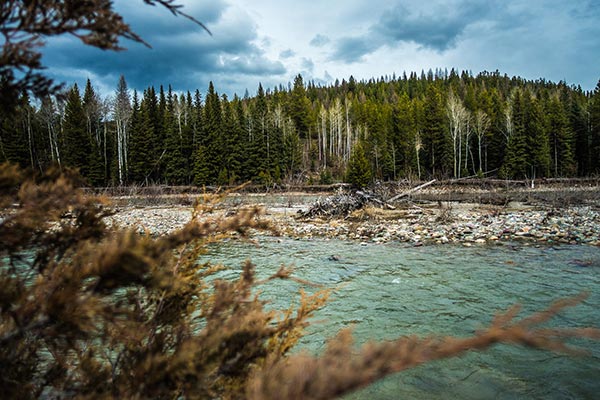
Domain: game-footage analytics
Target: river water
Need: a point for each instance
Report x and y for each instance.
(390, 290)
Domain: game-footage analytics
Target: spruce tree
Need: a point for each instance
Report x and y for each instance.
(76, 142)
(13, 138)
(359, 170)
(537, 139)
(516, 161)
(579, 123)
(299, 108)
(594, 117)
(561, 139)
(213, 133)
(232, 141)
(436, 143)
(142, 154)
(258, 162)
(92, 110)
(174, 164)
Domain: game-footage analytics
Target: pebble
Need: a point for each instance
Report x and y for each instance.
(573, 225)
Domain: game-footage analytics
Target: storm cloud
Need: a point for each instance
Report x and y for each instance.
(182, 54)
(260, 41)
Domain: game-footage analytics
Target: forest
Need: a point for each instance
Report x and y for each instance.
(439, 124)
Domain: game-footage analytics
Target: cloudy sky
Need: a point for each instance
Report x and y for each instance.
(271, 41)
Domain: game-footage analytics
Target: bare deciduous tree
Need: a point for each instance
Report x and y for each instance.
(481, 126)
(458, 117)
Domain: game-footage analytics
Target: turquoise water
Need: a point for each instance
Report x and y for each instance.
(386, 291)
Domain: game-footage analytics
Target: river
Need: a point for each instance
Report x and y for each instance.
(390, 290)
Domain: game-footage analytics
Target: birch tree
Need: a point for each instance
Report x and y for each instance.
(49, 117)
(458, 117)
(481, 126)
(122, 115)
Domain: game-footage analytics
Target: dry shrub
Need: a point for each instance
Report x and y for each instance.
(92, 312)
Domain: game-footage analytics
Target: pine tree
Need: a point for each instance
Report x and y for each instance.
(359, 170)
(92, 109)
(175, 166)
(213, 133)
(537, 139)
(258, 157)
(594, 116)
(436, 143)
(142, 153)
(76, 142)
(13, 136)
(233, 141)
(579, 123)
(516, 157)
(561, 139)
(402, 136)
(299, 108)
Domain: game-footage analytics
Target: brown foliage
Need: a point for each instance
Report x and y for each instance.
(88, 311)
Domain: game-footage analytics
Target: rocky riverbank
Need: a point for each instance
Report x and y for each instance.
(435, 223)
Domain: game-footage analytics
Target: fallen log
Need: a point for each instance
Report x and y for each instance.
(341, 205)
(410, 191)
(375, 200)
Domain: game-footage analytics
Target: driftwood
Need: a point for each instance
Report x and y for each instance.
(374, 199)
(342, 204)
(410, 191)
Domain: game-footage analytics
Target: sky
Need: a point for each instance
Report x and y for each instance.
(271, 42)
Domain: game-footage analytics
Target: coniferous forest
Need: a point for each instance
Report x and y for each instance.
(437, 124)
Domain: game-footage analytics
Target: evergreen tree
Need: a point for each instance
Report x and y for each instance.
(92, 108)
(537, 139)
(516, 157)
(436, 143)
(561, 139)
(579, 123)
(213, 133)
(299, 108)
(202, 172)
(258, 160)
(402, 136)
(359, 171)
(13, 138)
(142, 152)
(77, 145)
(594, 116)
(233, 141)
(175, 165)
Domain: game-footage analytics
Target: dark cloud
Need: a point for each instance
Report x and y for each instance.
(319, 40)
(438, 27)
(182, 53)
(287, 54)
(353, 49)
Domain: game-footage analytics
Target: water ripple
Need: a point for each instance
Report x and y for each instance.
(391, 290)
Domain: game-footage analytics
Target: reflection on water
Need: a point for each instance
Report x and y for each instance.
(385, 291)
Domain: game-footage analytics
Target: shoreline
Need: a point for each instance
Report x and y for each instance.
(438, 223)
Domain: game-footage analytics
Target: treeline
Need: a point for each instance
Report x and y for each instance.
(439, 124)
